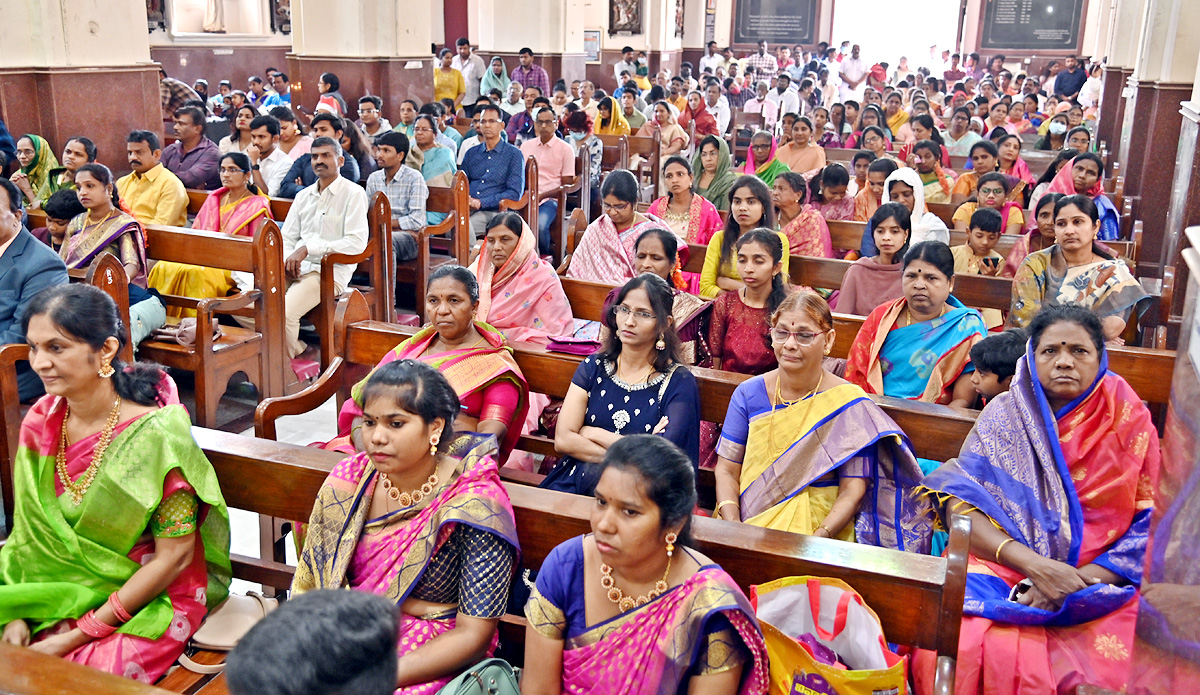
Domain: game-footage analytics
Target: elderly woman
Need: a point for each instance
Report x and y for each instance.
(1058, 477)
(713, 167)
(578, 126)
(473, 356)
(605, 253)
(1079, 271)
(616, 612)
(421, 518)
(761, 159)
(120, 542)
(919, 346)
(435, 161)
(635, 384)
(36, 160)
(803, 224)
(815, 477)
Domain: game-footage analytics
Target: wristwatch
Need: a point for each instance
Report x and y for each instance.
(255, 168)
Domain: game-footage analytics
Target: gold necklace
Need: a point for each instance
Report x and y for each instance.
(79, 488)
(627, 381)
(627, 603)
(909, 318)
(88, 222)
(408, 499)
(778, 400)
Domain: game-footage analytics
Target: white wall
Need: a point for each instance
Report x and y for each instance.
(68, 33)
(907, 32)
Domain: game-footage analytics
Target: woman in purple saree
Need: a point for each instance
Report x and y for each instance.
(615, 613)
(422, 519)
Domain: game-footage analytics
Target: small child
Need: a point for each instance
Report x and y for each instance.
(979, 257)
(60, 209)
(995, 360)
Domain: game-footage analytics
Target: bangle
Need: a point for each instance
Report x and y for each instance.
(118, 609)
(91, 626)
(720, 506)
(1001, 547)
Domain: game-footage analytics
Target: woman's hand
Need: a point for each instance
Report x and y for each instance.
(662, 425)
(1114, 326)
(16, 633)
(61, 645)
(1056, 580)
(1036, 599)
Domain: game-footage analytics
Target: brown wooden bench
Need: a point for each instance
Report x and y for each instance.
(527, 205)
(742, 128)
(446, 242)
(579, 184)
(649, 149)
(26, 672)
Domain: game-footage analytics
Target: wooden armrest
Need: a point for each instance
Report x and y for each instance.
(518, 204)
(429, 230)
(552, 193)
(571, 184)
(346, 258)
(562, 267)
(306, 400)
(241, 300)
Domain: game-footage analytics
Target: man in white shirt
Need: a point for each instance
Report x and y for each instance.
(268, 162)
(471, 66)
(585, 101)
(853, 73)
(786, 100)
(717, 105)
(330, 217)
(626, 64)
(711, 59)
(761, 104)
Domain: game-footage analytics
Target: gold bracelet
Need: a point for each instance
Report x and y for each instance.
(827, 530)
(720, 505)
(1001, 547)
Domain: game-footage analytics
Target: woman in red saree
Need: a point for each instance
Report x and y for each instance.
(697, 120)
(422, 519)
(1058, 477)
(803, 225)
(630, 609)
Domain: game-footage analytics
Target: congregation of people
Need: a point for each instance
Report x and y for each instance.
(120, 541)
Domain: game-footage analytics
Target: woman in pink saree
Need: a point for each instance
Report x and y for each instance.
(519, 293)
(1058, 477)
(422, 519)
(630, 609)
(606, 252)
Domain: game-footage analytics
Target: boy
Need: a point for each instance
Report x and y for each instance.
(861, 161)
(60, 209)
(979, 257)
(995, 361)
(870, 196)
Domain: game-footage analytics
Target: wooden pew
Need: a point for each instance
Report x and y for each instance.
(579, 184)
(527, 205)
(446, 242)
(616, 153)
(648, 148)
(26, 672)
(742, 128)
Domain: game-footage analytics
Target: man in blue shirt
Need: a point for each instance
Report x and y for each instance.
(495, 169)
(301, 175)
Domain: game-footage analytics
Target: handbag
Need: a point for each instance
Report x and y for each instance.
(184, 332)
(225, 626)
(488, 677)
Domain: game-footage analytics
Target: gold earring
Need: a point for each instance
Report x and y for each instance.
(106, 371)
(661, 344)
(671, 538)
(433, 446)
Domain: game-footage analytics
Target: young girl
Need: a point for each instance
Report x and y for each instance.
(829, 197)
(992, 192)
(874, 280)
(740, 319)
(749, 208)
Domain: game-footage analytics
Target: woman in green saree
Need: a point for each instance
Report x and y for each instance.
(120, 545)
(714, 172)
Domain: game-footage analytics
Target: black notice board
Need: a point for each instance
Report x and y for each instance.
(785, 22)
(1031, 25)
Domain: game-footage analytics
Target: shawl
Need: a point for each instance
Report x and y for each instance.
(52, 569)
(524, 298)
(866, 285)
(937, 351)
(808, 234)
(234, 219)
(1023, 469)
(703, 218)
(1110, 225)
(705, 122)
(666, 133)
(896, 120)
(43, 161)
(473, 496)
(492, 81)
(1020, 170)
(606, 255)
(617, 125)
(1106, 288)
(718, 189)
(438, 166)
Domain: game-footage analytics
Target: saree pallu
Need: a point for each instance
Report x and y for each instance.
(239, 218)
(1076, 486)
(919, 362)
(1106, 288)
(808, 234)
(63, 560)
(650, 650)
(469, 370)
(119, 234)
(398, 559)
(703, 219)
(1110, 219)
(437, 168)
(44, 161)
(524, 298)
(606, 255)
(786, 485)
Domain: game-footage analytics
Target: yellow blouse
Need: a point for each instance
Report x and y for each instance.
(448, 85)
(712, 257)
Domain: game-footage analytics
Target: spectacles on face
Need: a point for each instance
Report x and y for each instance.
(780, 336)
(488, 121)
(423, 129)
(618, 207)
(623, 312)
(546, 122)
(364, 112)
(991, 191)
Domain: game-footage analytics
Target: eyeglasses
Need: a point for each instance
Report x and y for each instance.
(779, 336)
(363, 112)
(488, 121)
(991, 191)
(623, 311)
(618, 207)
(424, 129)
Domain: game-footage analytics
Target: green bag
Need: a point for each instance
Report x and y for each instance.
(488, 677)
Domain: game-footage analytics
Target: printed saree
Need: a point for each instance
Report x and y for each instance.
(474, 496)
(38, 171)
(789, 481)
(1106, 288)
(702, 219)
(1075, 486)
(524, 298)
(919, 362)
(469, 370)
(63, 560)
(606, 255)
(808, 234)
(118, 234)
(240, 218)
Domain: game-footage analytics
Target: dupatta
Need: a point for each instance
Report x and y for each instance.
(234, 219)
(718, 189)
(1074, 485)
(52, 570)
(491, 80)
(474, 496)
(1106, 288)
(1110, 219)
(43, 161)
(1020, 170)
(84, 242)
(923, 360)
(808, 234)
(617, 125)
(703, 218)
(524, 298)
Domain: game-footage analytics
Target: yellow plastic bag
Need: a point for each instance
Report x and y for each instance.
(835, 615)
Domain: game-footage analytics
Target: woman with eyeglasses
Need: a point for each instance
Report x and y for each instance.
(434, 161)
(607, 251)
(636, 384)
(785, 463)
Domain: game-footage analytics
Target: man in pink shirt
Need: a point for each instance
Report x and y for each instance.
(555, 160)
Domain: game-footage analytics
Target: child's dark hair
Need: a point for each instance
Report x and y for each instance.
(774, 245)
(863, 154)
(987, 220)
(668, 477)
(63, 205)
(418, 389)
(885, 166)
(999, 353)
(90, 316)
(831, 176)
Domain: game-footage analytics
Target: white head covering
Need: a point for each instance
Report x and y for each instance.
(926, 226)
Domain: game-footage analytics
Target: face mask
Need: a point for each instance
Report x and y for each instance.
(641, 61)
(1058, 128)
(577, 136)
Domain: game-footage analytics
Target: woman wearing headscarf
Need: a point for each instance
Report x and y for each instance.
(495, 77)
(1084, 175)
(611, 120)
(714, 171)
(36, 159)
(904, 186)
(761, 160)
